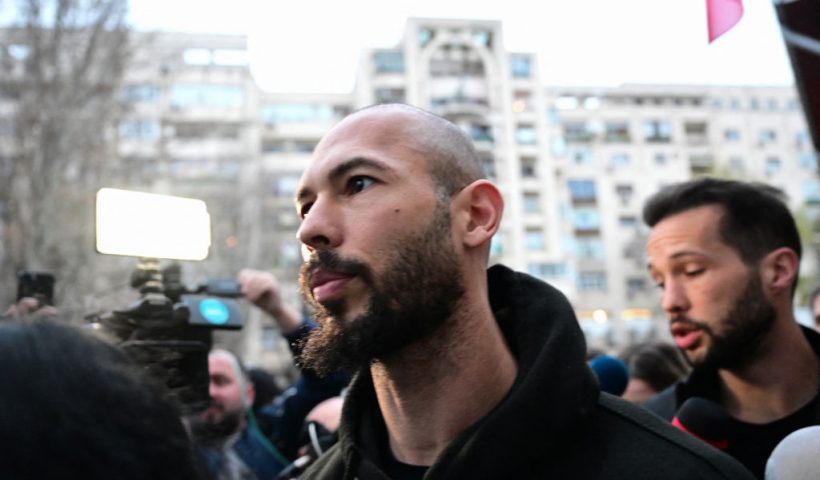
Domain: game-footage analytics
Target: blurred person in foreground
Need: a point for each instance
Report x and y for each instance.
(229, 432)
(725, 255)
(462, 372)
(74, 407)
(653, 366)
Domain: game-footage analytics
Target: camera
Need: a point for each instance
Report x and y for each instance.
(37, 285)
(168, 330)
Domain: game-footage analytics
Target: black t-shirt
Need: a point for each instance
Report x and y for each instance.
(402, 471)
(752, 443)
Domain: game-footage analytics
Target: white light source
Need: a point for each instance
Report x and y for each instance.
(154, 226)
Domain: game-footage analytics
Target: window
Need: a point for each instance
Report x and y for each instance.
(767, 136)
(627, 221)
(624, 192)
(140, 93)
(389, 95)
(659, 159)
(522, 101)
(590, 248)
(296, 113)
(482, 38)
(695, 132)
(520, 66)
(737, 164)
(731, 135)
(754, 104)
(616, 132)
(525, 135)
(388, 61)
(532, 203)
(425, 35)
(772, 165)
(583, 156)
(582, 189)
(634, 286)
(771, 104)
(578, 132)
(480, 133)
(801, 139)
(558, 146)
(528, 169)
(586, 219)
(489, 167)
(547, 270)
(618, 160)
(534, 239)
(206, 96)
(734, 104)
(811, 191)
(657, 131)
(592, 281)
(140, 129)
(807, 161)
(203, 130)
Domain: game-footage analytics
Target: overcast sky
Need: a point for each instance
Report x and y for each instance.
(313, 46)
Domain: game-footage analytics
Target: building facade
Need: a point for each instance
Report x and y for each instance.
(574, 164)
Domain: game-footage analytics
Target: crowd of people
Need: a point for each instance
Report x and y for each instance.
(420, 362)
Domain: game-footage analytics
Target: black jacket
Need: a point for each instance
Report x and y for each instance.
(552, 424)
(705, 383)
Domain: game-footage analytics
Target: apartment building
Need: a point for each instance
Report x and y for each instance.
(574, 164)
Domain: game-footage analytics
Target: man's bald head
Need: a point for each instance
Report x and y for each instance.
(450, 155)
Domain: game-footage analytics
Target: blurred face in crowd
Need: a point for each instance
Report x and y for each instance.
(719, 315)
(382, 271)
(815, 312)
(227, 405)
(638, 391)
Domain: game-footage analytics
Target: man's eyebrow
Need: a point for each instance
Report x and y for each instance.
(342, 169)
(679, 255)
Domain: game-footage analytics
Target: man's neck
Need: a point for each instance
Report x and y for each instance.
(784, 378)
(438, 387)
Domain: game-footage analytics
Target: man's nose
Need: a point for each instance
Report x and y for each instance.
(674, 299)
(321, 226)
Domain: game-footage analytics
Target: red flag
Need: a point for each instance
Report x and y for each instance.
(722, 15)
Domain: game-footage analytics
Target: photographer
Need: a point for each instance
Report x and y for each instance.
(232, 442)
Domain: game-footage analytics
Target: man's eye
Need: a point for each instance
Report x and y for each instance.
(359, 183)
(694, 272)
(304, 209)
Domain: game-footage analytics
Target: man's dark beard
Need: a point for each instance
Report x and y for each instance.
(416, 294)
(744, 330)
(213, 433)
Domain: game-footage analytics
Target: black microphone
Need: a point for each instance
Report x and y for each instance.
(705, 420)
(796, 456)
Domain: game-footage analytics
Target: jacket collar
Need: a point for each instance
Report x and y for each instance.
(554, 390)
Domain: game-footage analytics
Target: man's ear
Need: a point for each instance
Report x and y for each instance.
(779, 270)
(251, 394)
(479, 207)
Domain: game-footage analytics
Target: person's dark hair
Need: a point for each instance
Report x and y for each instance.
(755, 222)
(264, 387)
(656, 363)
(75, 407)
